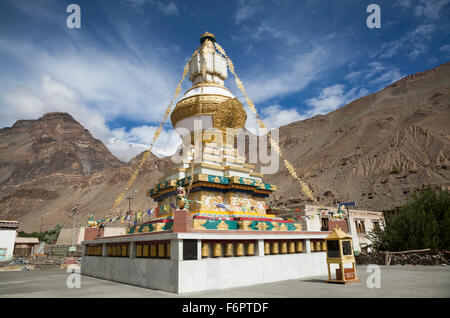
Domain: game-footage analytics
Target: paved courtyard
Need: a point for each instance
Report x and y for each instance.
(396, 281)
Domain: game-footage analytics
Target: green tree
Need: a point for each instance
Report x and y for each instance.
(50, 236)
(424, 222)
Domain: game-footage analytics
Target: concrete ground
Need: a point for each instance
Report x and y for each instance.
(396, 281)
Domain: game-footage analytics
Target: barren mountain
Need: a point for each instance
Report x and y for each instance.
(51, 164)
(376, 151)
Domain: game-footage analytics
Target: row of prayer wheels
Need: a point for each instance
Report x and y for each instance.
(119, 250)
(283, 247)
(228, 249)
(157, 250)
(318, 246)
(94, 250)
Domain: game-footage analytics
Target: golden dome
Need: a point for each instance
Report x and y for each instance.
(227, 112)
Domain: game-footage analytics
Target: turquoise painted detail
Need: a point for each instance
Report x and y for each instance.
(266, 186)
(218, 179)
(245, 181)
(151, 228)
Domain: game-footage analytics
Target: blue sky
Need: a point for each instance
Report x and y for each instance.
(117, 74)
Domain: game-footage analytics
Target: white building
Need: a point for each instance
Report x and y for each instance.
(7, 239)
(358, 223)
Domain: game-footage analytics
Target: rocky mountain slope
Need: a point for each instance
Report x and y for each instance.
(376, 151)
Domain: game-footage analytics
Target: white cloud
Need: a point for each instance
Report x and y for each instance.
(168, 8)
(245, 9)
(264, 30)
(127, 144)
(50, 96)
(375, 73)
(413, 43)
(445, 48)
(332, 97)
(114, 85)
(276, 116)
(353, 75)
(289, 75)
(431, 9)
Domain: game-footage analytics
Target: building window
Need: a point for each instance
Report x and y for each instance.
(324, 224)
(360, 228)
(376, 225)
(2, 254)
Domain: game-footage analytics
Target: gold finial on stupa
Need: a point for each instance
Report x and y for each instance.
(208, 36)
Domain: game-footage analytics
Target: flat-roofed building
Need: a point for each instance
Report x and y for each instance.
(7, 239)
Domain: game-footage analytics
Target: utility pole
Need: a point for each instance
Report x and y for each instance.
(74, 211)
(129, 198)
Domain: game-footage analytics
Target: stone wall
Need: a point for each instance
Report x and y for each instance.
(410, 258)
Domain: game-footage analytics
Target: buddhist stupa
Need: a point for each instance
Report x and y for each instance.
(224, 186)
(211, 230)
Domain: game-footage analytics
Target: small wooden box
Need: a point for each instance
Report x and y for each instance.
(349, 274)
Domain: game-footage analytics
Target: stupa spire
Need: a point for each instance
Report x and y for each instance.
(207, 66)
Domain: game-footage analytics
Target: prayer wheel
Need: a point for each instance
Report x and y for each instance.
(291, 247)
(139, 250)
(217, 250)
(250, 249)
(161, 251)
(229, 249)
(168, 250)
(153, 250)
(266, 248)
(324, 246)
(205, 249)
(114, 250)
(119, 250)
(109, 250)
(145, 250)
(317, 246)
(284, 247)
(299, 247)
(312, 246)
(240, 249)
(275, 248)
